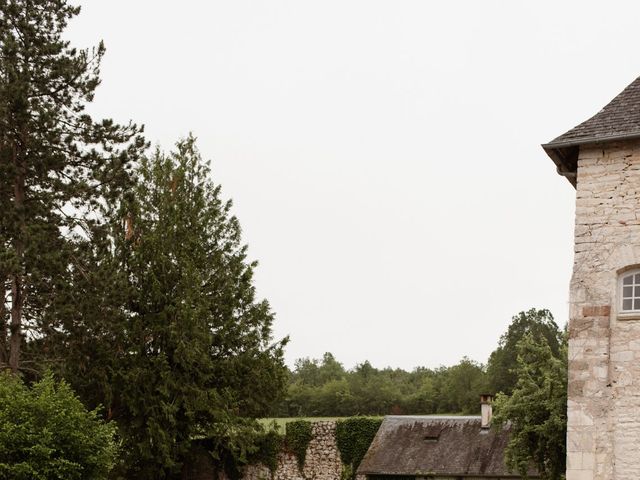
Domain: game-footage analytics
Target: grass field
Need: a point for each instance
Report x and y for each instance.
(281, 422)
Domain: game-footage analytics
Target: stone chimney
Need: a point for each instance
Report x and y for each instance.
(486, 412)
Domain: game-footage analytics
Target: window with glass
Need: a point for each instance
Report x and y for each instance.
(630, 290)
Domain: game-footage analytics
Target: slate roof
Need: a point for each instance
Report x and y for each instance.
(618, 120)
(440, 446)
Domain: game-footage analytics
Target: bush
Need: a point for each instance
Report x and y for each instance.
(47, 434)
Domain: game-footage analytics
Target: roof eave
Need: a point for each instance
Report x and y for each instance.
(566, 160)
(565, 153)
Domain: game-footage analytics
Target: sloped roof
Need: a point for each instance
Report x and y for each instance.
(618, 120)
(442, 446)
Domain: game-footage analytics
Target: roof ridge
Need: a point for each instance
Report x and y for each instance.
(620, 116)
(619, 120)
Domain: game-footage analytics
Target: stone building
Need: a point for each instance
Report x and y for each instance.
(601, 159)
(444, 448)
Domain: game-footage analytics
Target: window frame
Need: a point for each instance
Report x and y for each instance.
(634, 313)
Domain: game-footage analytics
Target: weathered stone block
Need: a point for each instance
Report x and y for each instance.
(596, 311)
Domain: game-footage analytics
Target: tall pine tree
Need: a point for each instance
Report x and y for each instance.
(58, 167)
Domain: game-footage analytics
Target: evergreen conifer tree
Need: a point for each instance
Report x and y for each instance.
(194, 356)
(58, 167)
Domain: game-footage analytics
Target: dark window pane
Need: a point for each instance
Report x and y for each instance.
(627, 292)
(636, 291)
(626, 304)
(636, 304)
(637, 278)
(628, 280)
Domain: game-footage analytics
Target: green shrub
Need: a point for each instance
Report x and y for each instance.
(298, 435)
(354, 436)
(47, 434)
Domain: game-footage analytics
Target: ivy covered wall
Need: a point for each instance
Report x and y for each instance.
(318, 450)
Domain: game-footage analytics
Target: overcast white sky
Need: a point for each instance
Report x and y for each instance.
(383, 156)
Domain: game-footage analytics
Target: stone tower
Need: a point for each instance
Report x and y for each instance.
(601, 159)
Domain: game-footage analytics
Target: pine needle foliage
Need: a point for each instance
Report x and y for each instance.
(197, 357)
(58, 167)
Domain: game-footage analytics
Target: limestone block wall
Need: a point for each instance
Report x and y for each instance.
(604, 350)
(323, 458)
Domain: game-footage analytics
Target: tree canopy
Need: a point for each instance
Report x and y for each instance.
(503, 362)
(325, 388)
(123, 272)
(198, 354)
(57, 166)
(537, 409)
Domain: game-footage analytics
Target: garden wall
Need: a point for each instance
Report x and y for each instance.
(322, 459)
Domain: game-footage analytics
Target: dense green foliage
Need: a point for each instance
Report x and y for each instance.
(502, 364)
(353, 437)
(297, 437)
(537, 409)
(325, 388)
(47, 434)
(187, 352)
(176, 346)
(58, 167)
(123, 273)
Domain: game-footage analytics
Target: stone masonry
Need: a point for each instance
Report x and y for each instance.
(322, 461)
(323, 458)
(604, 349)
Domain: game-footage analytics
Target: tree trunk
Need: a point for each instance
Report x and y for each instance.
(4, 347)
(17, 279)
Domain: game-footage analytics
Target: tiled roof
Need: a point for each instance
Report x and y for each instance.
(439, 446)
(619, 120)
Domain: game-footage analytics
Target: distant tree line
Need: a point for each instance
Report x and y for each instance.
(323, 387)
